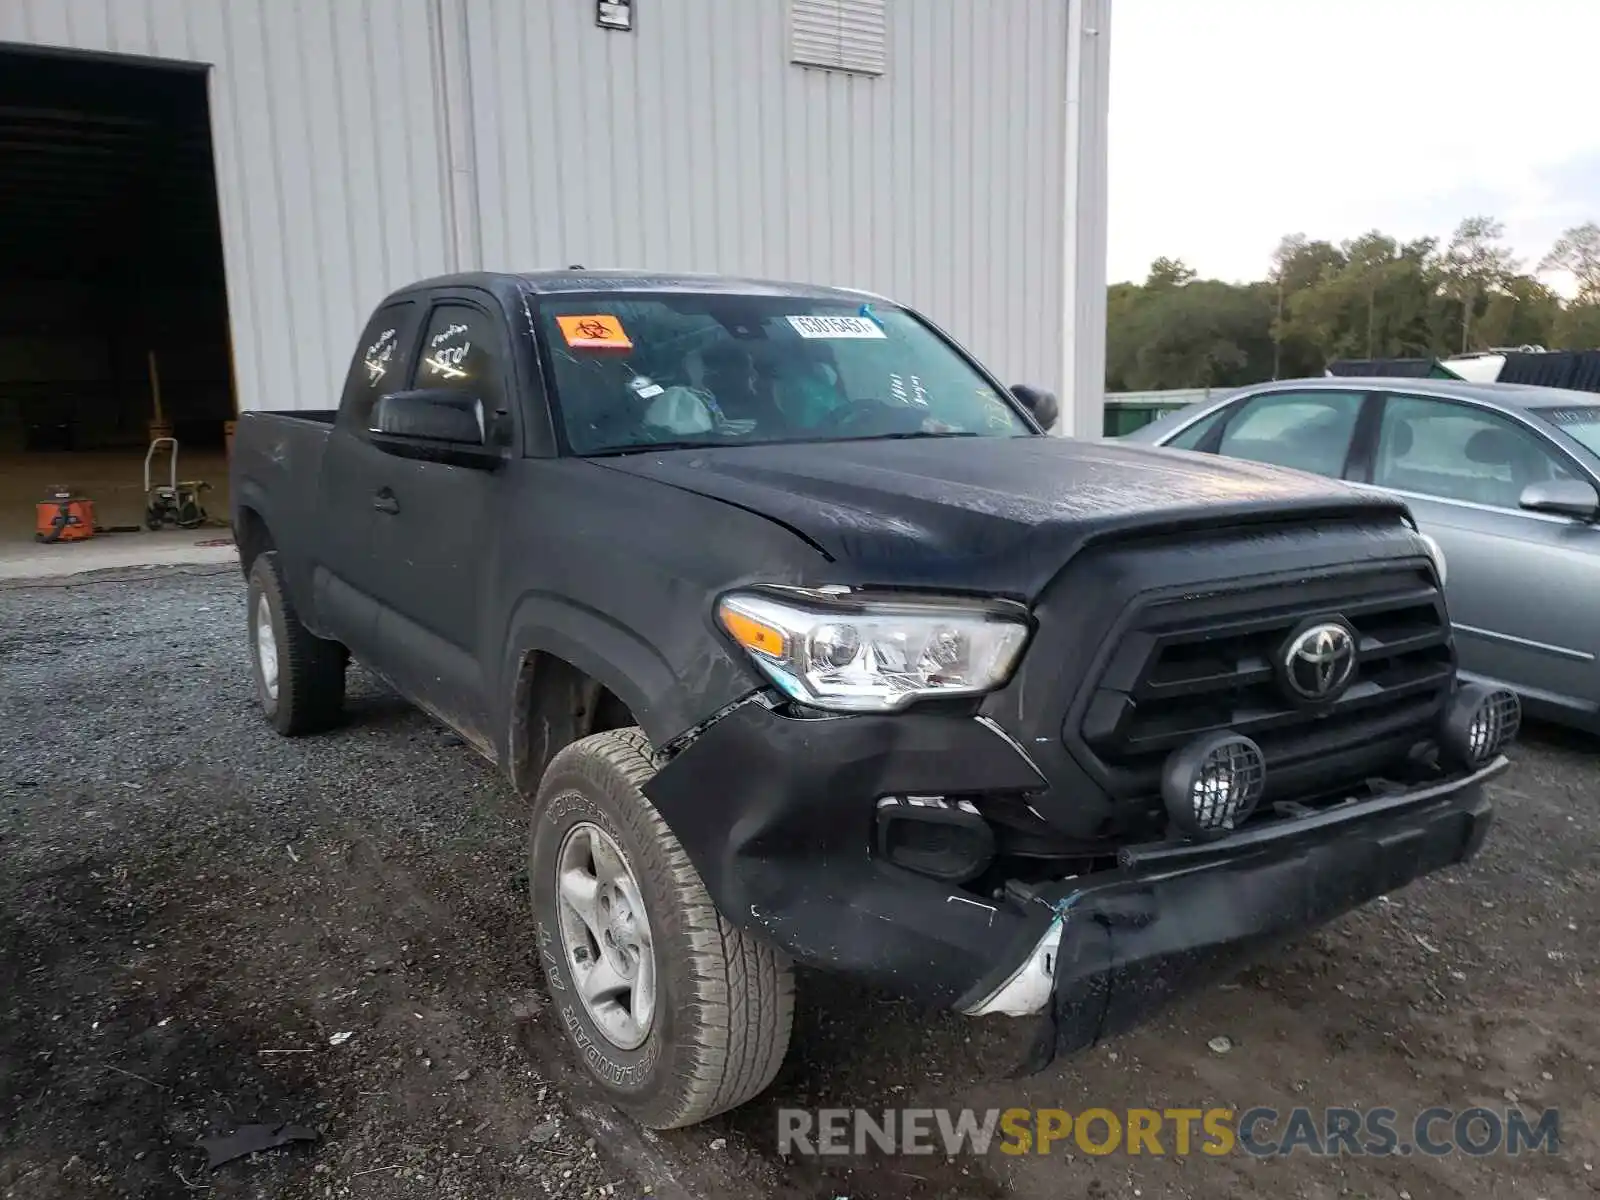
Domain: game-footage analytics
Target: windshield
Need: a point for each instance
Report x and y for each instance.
(1581, 423)
(632, 371)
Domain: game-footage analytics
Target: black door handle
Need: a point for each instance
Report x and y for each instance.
(385, 502)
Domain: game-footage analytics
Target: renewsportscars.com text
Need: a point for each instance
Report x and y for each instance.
(1261, 1132)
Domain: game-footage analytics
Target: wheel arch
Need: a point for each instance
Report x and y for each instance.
(546, 629)
(251, 536)
(555, 702)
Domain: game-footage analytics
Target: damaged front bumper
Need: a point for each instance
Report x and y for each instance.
(775, 812)
(1120, 944)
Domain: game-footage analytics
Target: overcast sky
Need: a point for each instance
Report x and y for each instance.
(1236, 121)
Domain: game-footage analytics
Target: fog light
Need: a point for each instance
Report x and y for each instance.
(1212, 785)
(1480, 723)
(946, 840)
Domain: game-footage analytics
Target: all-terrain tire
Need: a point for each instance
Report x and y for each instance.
(724, 1001)
(309, 693)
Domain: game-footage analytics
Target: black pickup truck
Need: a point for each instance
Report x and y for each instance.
(806, 642)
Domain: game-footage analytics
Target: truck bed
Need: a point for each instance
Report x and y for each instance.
(277, 460)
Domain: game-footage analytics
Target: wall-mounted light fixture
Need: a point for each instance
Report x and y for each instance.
(614, 14)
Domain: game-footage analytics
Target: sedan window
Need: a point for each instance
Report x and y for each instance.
(1309, 431)
(1457, 452)
(1581, 423)
(1191, 437)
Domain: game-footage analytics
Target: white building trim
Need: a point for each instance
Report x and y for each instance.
(1083, 269)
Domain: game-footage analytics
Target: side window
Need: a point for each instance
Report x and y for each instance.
(1191, 437)
(461, 352)
(381, 362)
(1457, 452)
(1309, 431)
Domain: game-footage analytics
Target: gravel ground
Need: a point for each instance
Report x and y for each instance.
(203, 925)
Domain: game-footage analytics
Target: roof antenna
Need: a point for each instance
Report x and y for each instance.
(577, 267)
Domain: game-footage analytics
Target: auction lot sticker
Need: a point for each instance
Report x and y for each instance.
(835, 327)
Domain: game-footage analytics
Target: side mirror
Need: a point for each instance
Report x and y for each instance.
(431, 414)
(435, 425)
(1562, 497)
(1040, 403)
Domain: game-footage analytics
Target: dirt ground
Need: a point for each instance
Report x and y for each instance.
(203, 925)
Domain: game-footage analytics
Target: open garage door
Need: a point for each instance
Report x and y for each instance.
(113, 312)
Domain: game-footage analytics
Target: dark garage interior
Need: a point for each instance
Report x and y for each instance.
(111, 274)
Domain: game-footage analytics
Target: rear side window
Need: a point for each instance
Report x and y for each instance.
(381, 362)
(461, 353)
(1308, 431)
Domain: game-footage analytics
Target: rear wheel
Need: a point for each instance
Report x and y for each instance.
(299, 676)
(676, 1014)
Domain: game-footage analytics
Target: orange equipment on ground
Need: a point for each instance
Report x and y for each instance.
(64, 517)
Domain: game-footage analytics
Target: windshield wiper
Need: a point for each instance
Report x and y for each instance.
(703, 444)
(896, 437)
(648, 447)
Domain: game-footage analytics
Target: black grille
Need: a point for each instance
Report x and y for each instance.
(1188, 665)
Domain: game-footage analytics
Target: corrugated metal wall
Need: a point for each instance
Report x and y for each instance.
(364, 143)
(693, 144)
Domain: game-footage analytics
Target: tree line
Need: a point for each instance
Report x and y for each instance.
(1372, 296)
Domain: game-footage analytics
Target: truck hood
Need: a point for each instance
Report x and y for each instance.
(998, 514)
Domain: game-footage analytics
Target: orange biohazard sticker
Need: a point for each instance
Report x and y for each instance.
(598, 332)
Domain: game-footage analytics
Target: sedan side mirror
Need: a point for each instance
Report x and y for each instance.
(1040, 403)
(1562, 497)
(435, 425)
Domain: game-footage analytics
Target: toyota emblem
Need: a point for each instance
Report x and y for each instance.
(1319, 661)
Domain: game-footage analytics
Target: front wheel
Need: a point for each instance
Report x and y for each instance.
(676, 1014)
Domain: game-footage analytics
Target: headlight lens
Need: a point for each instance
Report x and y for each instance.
(855, 654)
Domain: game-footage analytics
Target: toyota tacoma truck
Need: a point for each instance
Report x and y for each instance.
(808, 644)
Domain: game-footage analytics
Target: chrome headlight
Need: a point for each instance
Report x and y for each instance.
(852, 653)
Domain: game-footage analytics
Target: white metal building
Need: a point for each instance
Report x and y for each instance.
(950, 153)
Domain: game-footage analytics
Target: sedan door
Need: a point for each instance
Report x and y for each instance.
(1521, 585)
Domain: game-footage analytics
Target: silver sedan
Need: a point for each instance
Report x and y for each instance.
(1505, 478)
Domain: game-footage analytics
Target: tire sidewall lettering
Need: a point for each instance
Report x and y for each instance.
(598, 1054)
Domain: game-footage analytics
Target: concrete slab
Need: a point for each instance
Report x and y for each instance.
(115, 482)
(172, 547)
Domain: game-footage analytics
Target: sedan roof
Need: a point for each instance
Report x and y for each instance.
(1506, 395)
